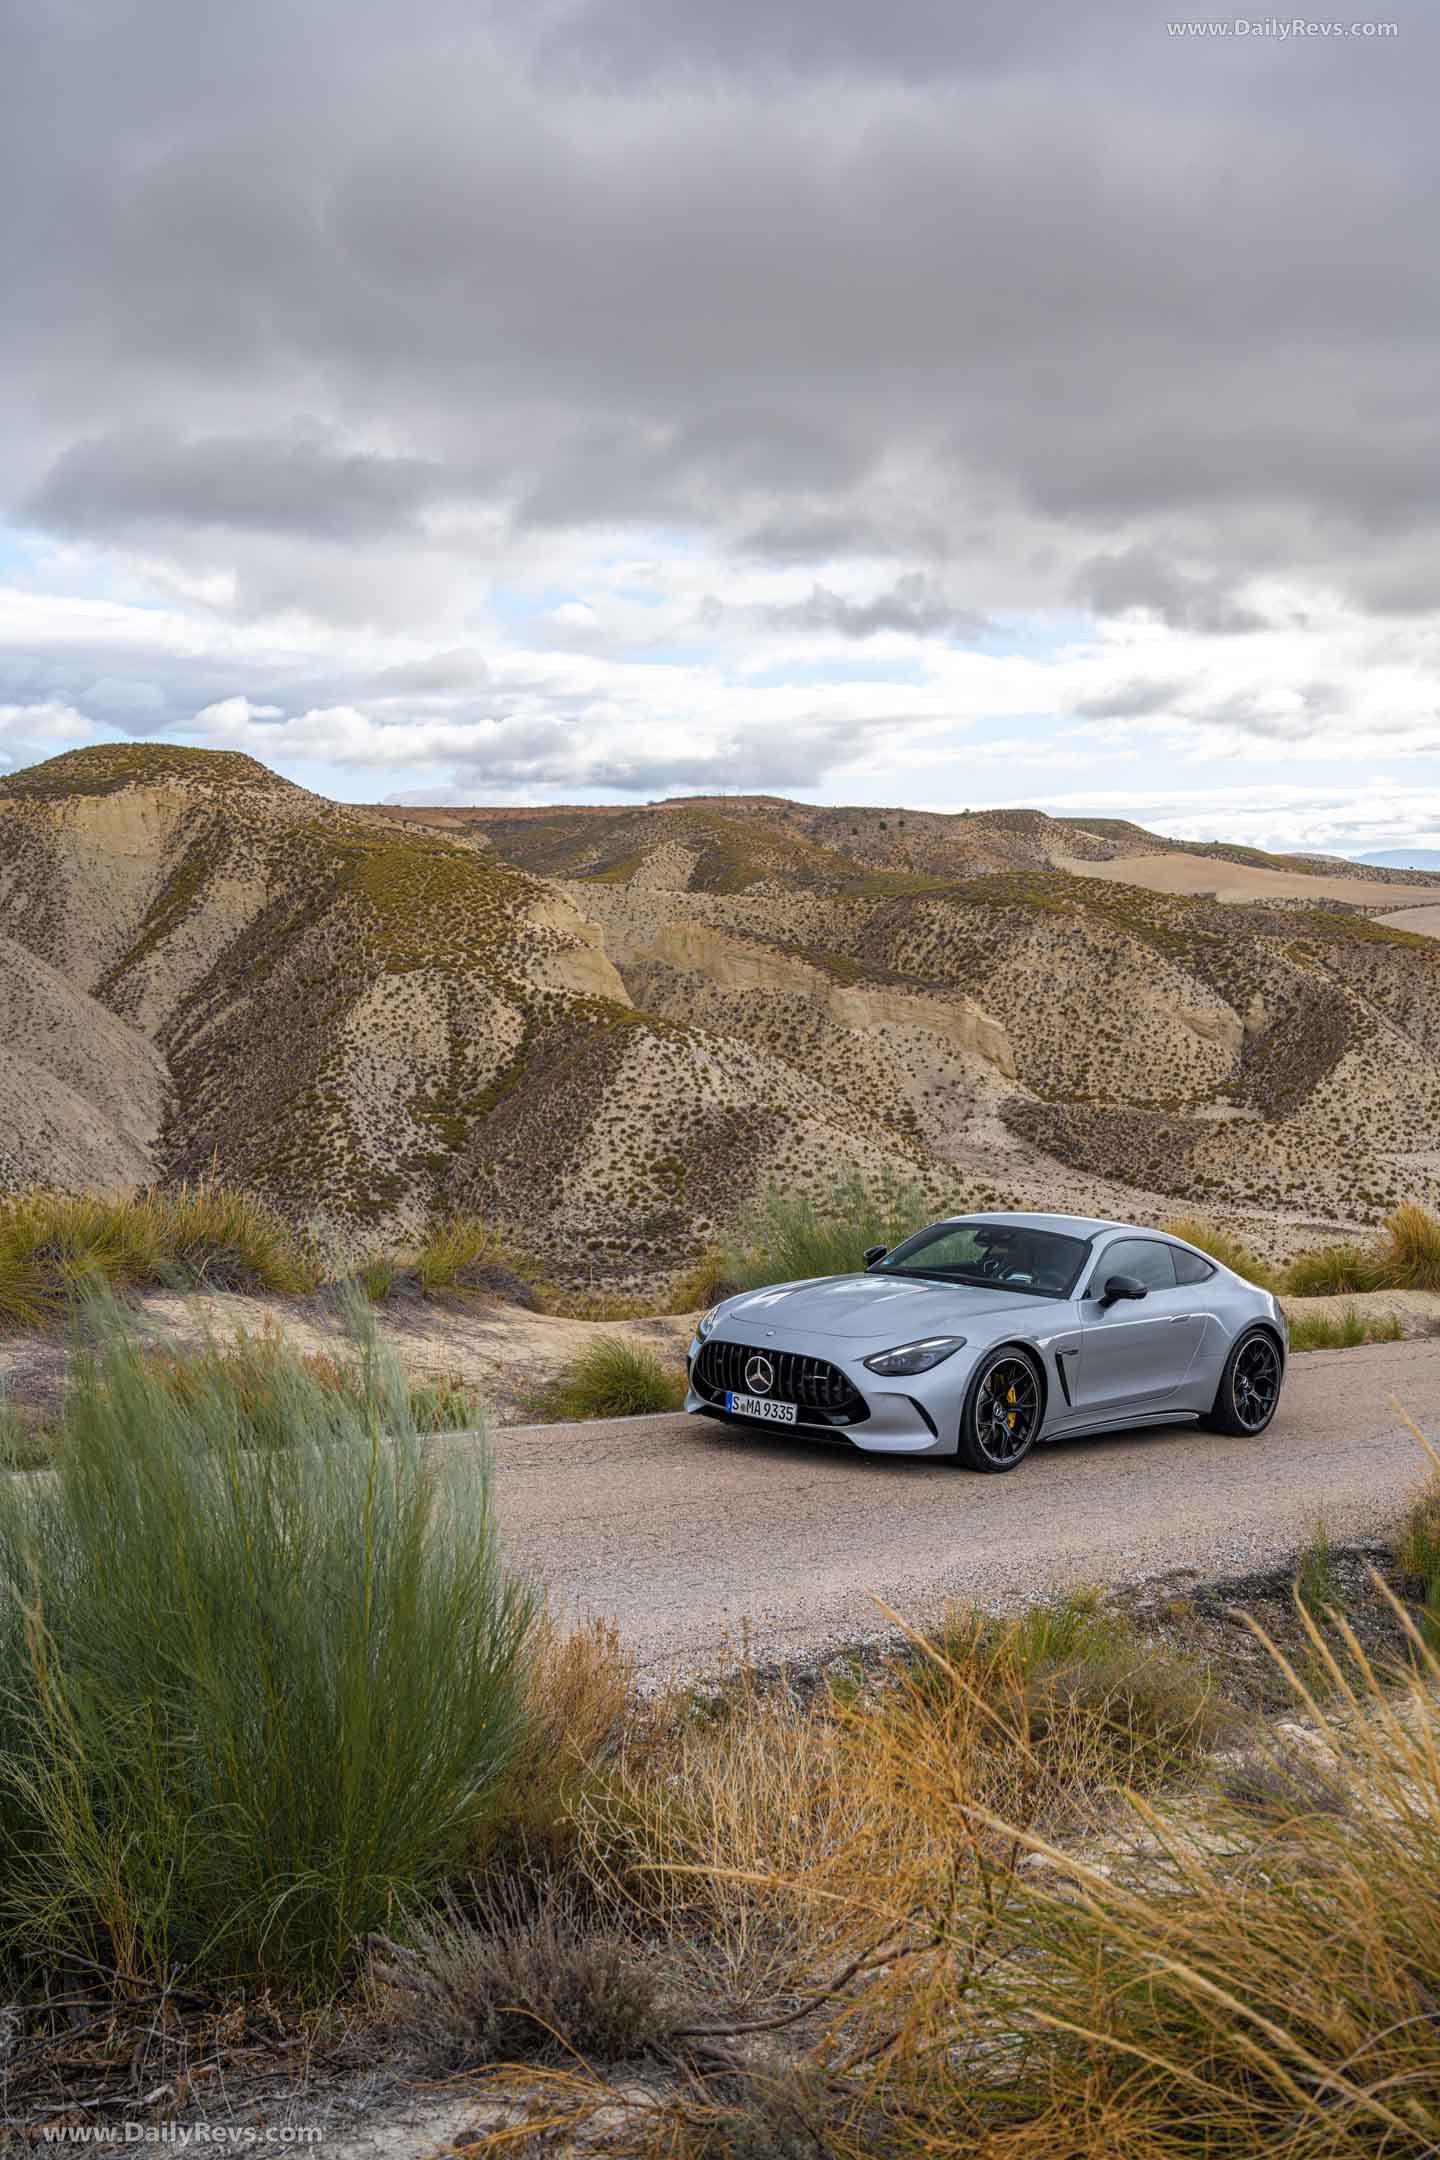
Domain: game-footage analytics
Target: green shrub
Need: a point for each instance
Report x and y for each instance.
(1231, 1252)
(788, 1236)
(614, 1378)
(55, 1246)
(251, 1694)
(459, 1256)
(1335, 1271)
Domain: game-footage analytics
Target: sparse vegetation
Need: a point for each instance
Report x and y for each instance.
(1409, 1258)
(1316, 1331)
(461, 1258)
(789, 1235)
(613, 1378)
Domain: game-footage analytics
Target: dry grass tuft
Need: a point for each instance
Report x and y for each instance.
(57, 1246)
(1412, 1260)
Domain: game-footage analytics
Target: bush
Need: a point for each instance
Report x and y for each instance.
(251, 1694)
(55, 1246)
(1231, 1252)
(1412, 1257)
(788, 1236)
(459, 1256)
(521, 1978)
(1335, 1271)
(614, 1378)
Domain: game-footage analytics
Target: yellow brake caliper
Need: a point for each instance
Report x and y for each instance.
(1010, 1414)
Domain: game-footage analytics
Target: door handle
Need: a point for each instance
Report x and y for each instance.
(1182, 1319)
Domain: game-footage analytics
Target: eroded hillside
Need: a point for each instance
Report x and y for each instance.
(608, 1028)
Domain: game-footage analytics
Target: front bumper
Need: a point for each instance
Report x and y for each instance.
(901, 1417)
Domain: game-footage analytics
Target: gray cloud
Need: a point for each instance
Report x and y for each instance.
(915, 603)
(1142, 577)
(998, 292)
(296, 482)
(1134, 700)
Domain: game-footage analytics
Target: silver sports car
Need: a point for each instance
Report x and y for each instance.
(986, 1333)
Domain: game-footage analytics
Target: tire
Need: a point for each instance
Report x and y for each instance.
(1249, 1391)
(1004, 1407)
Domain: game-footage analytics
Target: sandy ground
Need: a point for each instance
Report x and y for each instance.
(1424, 921)
(1239, 881)
(696, 1538)
(507, 1354)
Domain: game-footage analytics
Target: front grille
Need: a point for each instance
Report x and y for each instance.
(816, 1388)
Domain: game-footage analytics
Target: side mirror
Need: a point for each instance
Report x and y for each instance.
(873, 1253)
(1119, 1287)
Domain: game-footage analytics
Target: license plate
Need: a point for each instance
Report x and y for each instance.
(760, 1406)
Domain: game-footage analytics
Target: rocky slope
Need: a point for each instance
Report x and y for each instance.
(608, 1028)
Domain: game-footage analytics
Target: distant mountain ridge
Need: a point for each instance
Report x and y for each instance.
(1404, 859)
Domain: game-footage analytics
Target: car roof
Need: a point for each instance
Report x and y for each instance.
(1077, 1226)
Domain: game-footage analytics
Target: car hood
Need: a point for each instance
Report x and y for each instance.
(888, 1305)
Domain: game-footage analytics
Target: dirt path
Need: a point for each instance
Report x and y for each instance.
(690, 1535)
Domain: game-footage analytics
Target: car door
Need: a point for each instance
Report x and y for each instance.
(1137, 1351)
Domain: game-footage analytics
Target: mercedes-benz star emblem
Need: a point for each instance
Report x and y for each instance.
(759, 1375)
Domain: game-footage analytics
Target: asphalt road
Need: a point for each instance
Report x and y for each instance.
(691, 1535)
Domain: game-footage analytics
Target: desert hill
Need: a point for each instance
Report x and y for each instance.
(608, 1027)
(735, 837)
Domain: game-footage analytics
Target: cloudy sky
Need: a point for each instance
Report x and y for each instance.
(949, 402)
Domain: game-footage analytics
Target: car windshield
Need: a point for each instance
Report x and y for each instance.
(995, 1256)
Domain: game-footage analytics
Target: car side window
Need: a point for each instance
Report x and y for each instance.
(1149, 1262)
(1190, 1268)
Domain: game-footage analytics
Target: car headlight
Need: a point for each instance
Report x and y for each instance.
(707, 1321)
(914, 1357)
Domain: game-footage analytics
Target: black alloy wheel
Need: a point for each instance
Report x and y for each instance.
(1249, 1390)
(1001, 1418)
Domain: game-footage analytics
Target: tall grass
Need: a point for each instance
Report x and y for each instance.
(54, 1246)
(1233, 1980)
(1412, 1259)
(787, 1235)
(251, 1694)
(1336, 1271)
